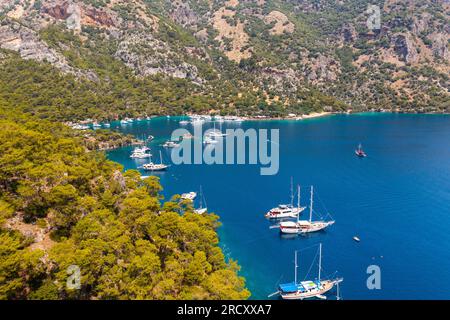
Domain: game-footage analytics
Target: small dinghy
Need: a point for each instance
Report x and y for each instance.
(360, 152)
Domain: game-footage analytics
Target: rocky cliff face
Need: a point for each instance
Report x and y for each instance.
(405, 48)
(25, 41)
(281, 48)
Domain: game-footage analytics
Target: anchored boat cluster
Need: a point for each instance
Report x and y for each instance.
(309, 288)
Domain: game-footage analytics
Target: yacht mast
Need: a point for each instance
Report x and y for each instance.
(160, 156)
(201, 198)
(320, 259)
(298, 197)
(295, 269)
(338, 294)
(292, 191)
(311, 204)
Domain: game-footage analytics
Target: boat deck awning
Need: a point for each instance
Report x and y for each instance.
(309, 285)
(289, 287)
(302, 286)
(292, 287)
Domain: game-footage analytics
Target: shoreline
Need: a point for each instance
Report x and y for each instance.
(313, 115)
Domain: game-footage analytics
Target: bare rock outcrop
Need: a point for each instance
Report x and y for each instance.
(25, 41)
(281, 23)
(149, 56)
(404, 47)
(440, 45)
(76, 14)
(321, 69)
(182, 14)
(280, 79)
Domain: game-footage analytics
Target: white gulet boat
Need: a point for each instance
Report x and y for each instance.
(305, 226)
(216, 133)
(287, 210)
(307, 289)
(155, 166)
(141, 153)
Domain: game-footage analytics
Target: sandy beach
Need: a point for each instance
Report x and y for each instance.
(294, 117)
(314, 115)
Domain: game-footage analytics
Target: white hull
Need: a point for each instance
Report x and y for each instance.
(170, 145)
(201, 211)
(154, 167)
(325, 286)
(317, 226)
(300, 228)
(289, 230)
(145, 156)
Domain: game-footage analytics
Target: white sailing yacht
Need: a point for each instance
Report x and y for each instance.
(305, 226)
(155, 166)
(141, 153)
(307, 289)
(170, 144)
(216, 133)
(201, 210)
(209, 140)
(287, 210)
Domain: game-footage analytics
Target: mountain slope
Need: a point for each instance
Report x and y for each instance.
(248, 57)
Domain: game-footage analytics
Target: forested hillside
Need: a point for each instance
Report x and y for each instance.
(70, 59)
(63, 206)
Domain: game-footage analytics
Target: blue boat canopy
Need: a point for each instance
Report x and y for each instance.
(290, 287)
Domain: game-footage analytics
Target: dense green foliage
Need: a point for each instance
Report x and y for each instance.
(42, 90)
(104, 139)
(82, 210)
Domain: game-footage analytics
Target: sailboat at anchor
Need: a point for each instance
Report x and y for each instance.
(201, 210)
(305, 226)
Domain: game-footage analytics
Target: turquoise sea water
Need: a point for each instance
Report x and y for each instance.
(397, 201)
